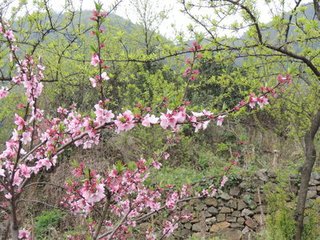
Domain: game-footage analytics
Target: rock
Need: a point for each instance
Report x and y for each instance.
(245, 230)
(185, 233)
(258, 218)
(261, 209)
(200, 206)
(315, 175)
(194, 201)
(211, 202)
(212, 210)
(309, 203)
(221, 217)
(232, 203)
(251, 223)
(221, 203)
(246, 212)
(235, 191)
(231, 234)
(231, 219)
(198, 227)
(241, 204)
(186, 220)
(247, 198)
(195, 220)
(244, 185)
(236, 214)
(225, 196)
(219, 226)
(225, 210)
(240, 220)
(211, 221)
(313, 182)
(318, 188)
(236, 225)
(187, 226)
(311, 194)
(262, 175)
(257, 199)
(207, 214)
(253, 206)
(312, 188)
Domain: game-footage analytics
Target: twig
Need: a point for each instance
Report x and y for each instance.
(111, 233)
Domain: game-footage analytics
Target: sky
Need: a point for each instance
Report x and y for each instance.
(124, 10)
(175, 16)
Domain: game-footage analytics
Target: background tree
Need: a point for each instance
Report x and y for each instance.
(149, 73)
(289, 43)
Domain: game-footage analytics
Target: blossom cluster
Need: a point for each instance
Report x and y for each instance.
(71, 127)
(7, 33)
(98, 17)
(37, 141)
(127, 196)
(29, 74)
(190, 72)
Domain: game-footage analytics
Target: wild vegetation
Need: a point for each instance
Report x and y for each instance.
(107, 126)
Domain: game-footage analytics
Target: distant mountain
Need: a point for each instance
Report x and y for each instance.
(270, 35)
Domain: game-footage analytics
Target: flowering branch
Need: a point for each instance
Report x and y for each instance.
(122, 192)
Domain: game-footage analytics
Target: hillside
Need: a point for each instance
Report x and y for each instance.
(111, 131)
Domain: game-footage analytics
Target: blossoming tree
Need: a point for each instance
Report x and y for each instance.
(110, 202)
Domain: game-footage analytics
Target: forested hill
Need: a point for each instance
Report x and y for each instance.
(271, 33)
(114, 20)
(110, 130)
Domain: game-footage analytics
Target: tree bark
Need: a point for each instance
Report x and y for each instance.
(14, 228)
(310, 157)
(317, 8)
(14, 231)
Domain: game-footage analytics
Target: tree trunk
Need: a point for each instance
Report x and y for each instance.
(317, 8)
(14, 232)
(310, 157)
(14, 228)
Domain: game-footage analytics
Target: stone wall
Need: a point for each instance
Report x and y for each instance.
(237, 212)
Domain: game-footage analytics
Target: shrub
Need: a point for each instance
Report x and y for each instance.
(47, 220)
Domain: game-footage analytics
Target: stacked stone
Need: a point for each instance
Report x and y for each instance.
(235, 213)
(238, 211)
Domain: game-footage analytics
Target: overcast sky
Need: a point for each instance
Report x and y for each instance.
(175, 16)
(124, 10)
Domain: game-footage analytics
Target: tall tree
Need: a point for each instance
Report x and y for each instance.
(289, 43)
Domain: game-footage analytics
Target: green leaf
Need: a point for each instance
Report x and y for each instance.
(98, 6)
(119, 166)
(93, 48)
